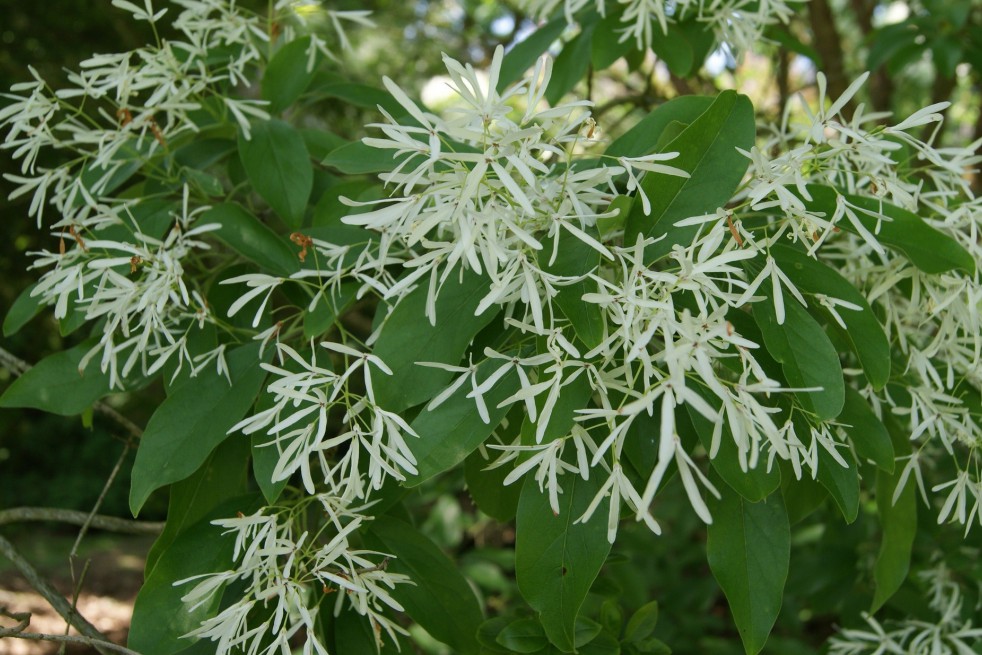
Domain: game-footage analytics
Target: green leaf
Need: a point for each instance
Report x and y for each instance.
(353, 633)
(575, 395)
(286, 76)
(899, 523)
(928, 249)
(24, 308)
(585, 630)
(866, 431)
(604, 644)
(642, 623)
(521, 57)
(450, 432)
(749, 549)
(576, 258)
(279, 169)
(221, 477)
(252, 238)
(608, 47)
(523, 636)
(557, 559)
(641, 139)
(754, 484)
(707, 151)
(160, 618)
(55, 384)
(487, 634)
(329, 306)
(842, 482)
(487, 490)
(611, 616)
(571, 65)
(807, 357)
(357, 158)
(673, 48)
(445, 342)
(441, 601)
(362, 95)
(863, 331)
(192, 421)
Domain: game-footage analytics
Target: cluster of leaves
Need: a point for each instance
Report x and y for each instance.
(559, 324)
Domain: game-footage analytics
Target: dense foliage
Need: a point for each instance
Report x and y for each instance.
(573, 344)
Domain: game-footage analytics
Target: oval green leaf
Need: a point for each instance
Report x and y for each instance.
(279, 169)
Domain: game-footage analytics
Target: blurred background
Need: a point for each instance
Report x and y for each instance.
(919, 52)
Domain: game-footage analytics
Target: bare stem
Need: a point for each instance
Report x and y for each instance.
(74, 517)
(23, 620)
(58, 602)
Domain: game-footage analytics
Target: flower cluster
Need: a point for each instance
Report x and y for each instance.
(283, 565)
(949, 633)
(876, 168)
(119, 258)
(308, 401)
(737, 25)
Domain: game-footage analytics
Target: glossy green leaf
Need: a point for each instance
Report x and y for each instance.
(56, 385)
(899, 524)
(611, 616)
(863, 331)
(707, 151)
(607, 44)
(487, 634)
(353, 633)
(642, 623)
(604, 644)
(329, 306)
(441, 601)
(556, 558)
(487, 490)
(286, 76)
(928, 249)
(572, 397)
(451, 431)
(749, 550)
(754, 484)
(641, 139)
(279, 169)
(807, 357)
(523, 55)
(160, 618)
(357, 158)
(523, 636)
(585, 631)
(362, 95)
(445, 342)
(253, 239)
(866, 431)
(24, 308)
(576, 258)
(221, 477)
(673, 48)
(192, 421)
(571, 65)
(842, 482)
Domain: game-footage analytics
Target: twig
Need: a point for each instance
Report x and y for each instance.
(18, 367)
(98, 503)
(98, 644)
(96, 639)
(74, 517)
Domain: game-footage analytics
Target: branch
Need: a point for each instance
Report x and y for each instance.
(23, 620)
(56, 600)
(74, 517)
(18, 367)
